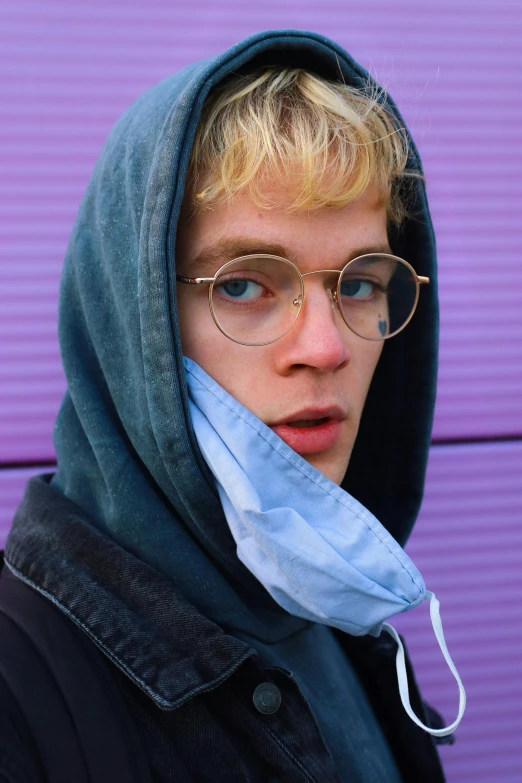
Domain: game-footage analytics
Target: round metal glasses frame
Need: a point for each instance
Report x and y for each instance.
(299, 300)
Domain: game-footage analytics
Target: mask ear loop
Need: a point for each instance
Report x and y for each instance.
(403, 678)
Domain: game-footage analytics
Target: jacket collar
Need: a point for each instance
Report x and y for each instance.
(131, 612)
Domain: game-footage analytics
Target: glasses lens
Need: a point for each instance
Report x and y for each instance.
(378, 294)
(256, 299)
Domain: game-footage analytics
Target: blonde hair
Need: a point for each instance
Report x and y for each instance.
(329, 141)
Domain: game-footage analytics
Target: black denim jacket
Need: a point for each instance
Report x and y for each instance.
(193, 702)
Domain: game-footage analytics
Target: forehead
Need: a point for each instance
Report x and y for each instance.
(315, 239)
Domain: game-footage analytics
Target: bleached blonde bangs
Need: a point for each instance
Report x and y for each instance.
(324, 140)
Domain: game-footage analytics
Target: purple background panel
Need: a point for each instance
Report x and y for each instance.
(69, 70)
(468, 546)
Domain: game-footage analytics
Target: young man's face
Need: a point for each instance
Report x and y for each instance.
(320, 371)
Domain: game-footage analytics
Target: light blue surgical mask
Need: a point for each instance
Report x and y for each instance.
(320, 554)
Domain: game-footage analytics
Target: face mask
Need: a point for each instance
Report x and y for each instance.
(320, 554)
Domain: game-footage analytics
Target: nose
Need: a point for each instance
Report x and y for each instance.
(316, 339)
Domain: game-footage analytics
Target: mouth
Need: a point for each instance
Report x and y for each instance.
(308, 422)
(311, 432)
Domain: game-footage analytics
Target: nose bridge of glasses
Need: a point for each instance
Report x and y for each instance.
(322, 272)
(332, 287)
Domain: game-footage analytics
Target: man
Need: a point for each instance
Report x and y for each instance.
(234, 313)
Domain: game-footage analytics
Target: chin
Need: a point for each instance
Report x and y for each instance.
(333, 469)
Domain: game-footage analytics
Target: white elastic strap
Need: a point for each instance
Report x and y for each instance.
(403, 678)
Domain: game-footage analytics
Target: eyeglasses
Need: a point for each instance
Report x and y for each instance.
(256, 299)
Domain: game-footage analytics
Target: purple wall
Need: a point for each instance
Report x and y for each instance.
(68, 70)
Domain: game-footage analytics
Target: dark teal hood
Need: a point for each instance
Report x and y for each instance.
(126, 450)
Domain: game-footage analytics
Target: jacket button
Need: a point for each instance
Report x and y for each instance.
(267, 698)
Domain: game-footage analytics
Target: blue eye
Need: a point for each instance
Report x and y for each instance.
(357, 289)
(241, 290)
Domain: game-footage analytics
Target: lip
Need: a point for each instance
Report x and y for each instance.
(315, 439)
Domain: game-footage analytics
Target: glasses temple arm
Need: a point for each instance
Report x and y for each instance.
(194, 280)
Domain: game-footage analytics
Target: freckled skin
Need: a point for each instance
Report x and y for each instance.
(319, 362)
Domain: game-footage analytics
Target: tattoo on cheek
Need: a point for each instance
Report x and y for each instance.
(382, 327)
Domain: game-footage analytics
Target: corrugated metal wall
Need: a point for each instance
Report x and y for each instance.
(67, 70)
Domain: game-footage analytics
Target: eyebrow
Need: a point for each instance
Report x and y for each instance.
(213, 257)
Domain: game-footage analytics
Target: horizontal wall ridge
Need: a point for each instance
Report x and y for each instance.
(28, 464)
(472, 440)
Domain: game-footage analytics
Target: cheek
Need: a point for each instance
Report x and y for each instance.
(195, 322)
(373, 361)
(374, 354)
(237, 368)
(367, 362)
(237, 373)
